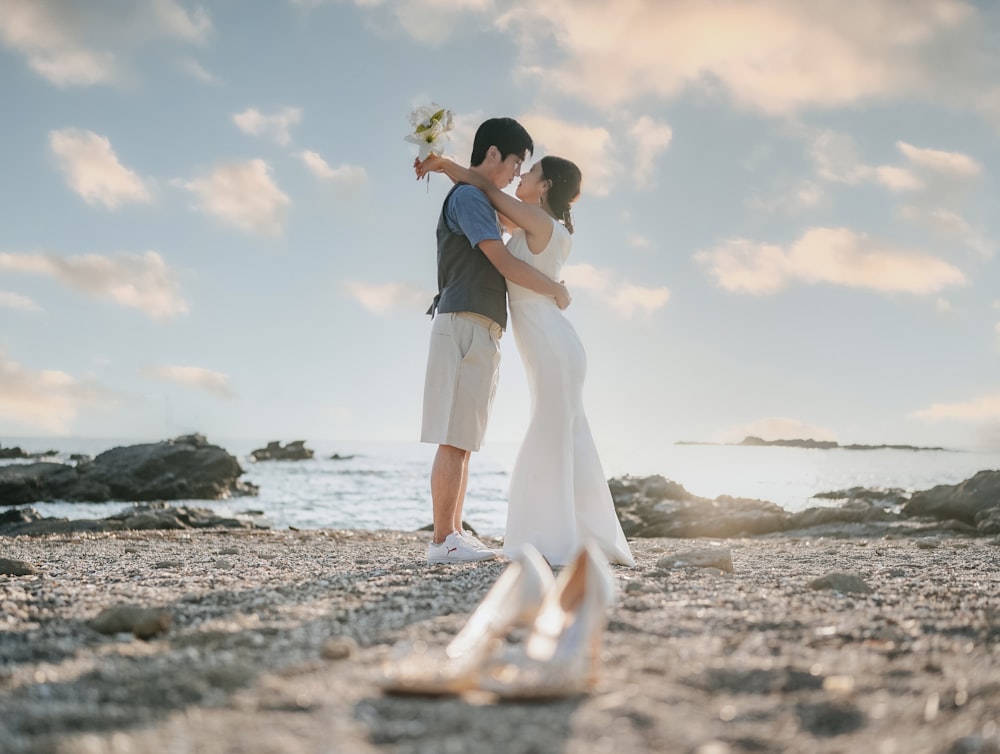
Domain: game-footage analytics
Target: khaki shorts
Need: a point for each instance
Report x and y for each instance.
(462, 370)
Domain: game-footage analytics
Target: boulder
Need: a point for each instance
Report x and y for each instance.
(293, 451)
(975, 501)
(657, 507)
(185, 468)
(147, 516)
(16, 452)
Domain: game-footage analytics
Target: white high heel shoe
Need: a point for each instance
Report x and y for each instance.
(561, 655)
(512, 601)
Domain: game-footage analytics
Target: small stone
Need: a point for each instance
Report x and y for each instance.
(845, 583)
(15, 568)
(224, 564)
(701, 557)
(339, 648)
(143, 622)
(928, 543)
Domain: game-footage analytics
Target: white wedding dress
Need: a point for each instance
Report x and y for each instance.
(559, 497)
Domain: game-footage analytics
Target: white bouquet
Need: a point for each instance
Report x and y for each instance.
(431, 125)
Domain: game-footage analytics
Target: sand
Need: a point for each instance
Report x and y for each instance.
(272, 642)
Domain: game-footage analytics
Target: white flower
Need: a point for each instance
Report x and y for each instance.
(431, 124)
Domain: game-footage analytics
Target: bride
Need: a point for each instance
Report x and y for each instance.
(559, 497)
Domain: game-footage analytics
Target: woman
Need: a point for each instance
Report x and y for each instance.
(559, 497)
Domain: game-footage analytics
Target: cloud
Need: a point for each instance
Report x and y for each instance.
(82, 44)
(896, 179)
(939, 161)
(837, 256)
(136, 281)
(934, 182)
(590, 147)
(9, 300)
(243, 195)
(980, 409)
(776, 56)
(651, 139)
(949, 224)
(197, 71)
(387, 297)
(277, 126)
(216, 383)
(427, 21)
(351, 175)
(776, 428)
(637, 241)
(45, 400)
(930, 171)
(791, 200)
(93, 170)
(624, 298)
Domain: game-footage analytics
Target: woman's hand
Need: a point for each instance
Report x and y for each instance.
(563, 298)
(433, 164)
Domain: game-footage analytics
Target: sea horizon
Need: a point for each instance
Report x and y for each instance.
(385, 484)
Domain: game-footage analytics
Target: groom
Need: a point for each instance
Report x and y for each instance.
(463, 364)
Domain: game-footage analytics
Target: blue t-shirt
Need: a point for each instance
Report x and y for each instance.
(470, 213)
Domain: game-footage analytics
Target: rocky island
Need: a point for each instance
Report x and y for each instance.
(753, 441)
(184, 468)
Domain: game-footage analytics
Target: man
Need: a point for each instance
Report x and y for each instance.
(471, 314)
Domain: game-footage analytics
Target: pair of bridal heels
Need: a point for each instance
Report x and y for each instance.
(565, 618)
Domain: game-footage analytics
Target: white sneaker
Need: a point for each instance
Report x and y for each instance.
(457, 549)
(475, 542)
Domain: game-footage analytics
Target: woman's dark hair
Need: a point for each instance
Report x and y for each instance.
(565, 178)
(506, 134)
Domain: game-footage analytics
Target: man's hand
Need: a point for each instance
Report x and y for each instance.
(563, 298)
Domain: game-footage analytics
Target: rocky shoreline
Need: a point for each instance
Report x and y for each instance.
(268, 641)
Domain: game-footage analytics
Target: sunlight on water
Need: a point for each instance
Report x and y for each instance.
(386, 485)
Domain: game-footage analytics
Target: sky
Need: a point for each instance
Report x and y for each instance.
(788, 226)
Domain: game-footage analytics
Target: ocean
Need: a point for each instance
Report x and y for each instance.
(386, 485)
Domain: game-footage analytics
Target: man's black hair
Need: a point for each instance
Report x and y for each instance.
(506, 134)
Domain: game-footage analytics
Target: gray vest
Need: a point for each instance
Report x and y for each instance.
(467, 280)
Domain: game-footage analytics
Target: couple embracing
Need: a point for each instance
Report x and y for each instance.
(559, 497)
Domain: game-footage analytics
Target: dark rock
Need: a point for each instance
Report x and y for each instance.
(753, 441)
(16, 452)
(887, 498)
(756, 680)
(185, 468)
(293, 451)
(964, 501)
(830, 718)
(33, 482)
(988, 521)
(181, 469)
(148, 516)
(657, 507)
(338, 457)
(18, 516)
(853, 511)
(10, 567)
(974, 744)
